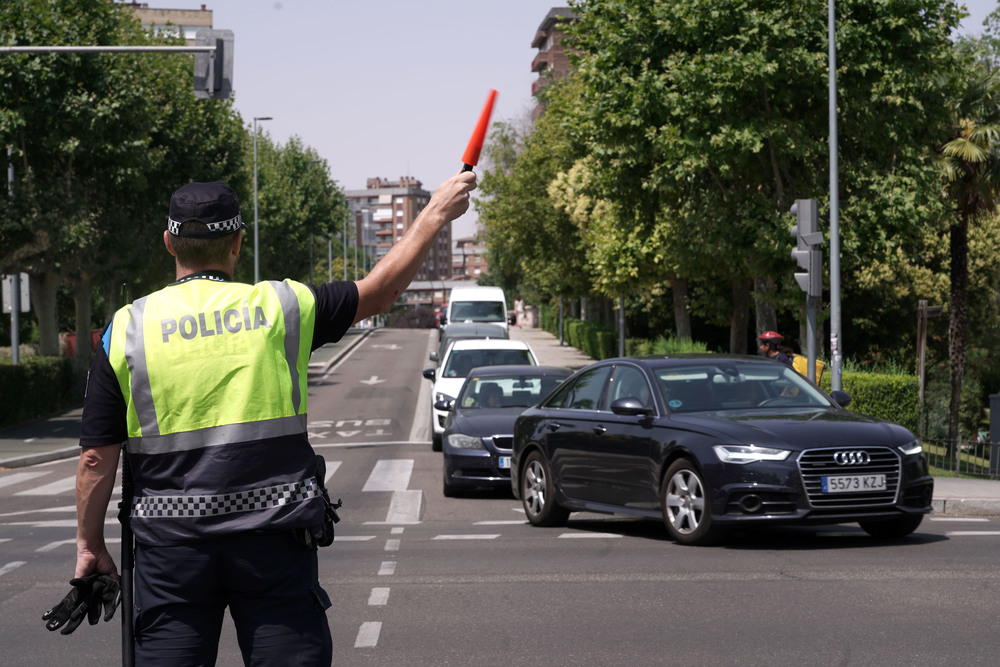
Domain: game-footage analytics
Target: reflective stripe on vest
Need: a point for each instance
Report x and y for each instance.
(163, 415)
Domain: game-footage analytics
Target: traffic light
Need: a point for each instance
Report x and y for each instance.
(213, 72)
(808, 239)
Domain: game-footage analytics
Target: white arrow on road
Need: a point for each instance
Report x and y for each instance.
(372, 380)
(391, 346)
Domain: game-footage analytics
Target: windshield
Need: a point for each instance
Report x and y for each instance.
(477, 311)
(735, 386)
(460, 362)
(505, 391)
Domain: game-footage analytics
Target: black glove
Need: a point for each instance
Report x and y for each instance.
(86, 598)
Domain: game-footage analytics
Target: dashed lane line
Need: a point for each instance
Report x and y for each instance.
(368, 634)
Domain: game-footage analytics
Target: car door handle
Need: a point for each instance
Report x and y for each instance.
(553, 426)
(600, 430)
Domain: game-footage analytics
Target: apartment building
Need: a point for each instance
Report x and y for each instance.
(382, 213)
(551, 62)
(184, 22)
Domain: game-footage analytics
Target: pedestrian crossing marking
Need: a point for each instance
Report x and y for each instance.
(390, 475)
(18, 477)
(55, 488)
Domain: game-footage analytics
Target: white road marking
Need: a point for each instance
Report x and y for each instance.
(354, 538)
(379, 597)
(397, 530)
(420, 432)
(10, 567)
(19, 477)
(387, 568)
(368, 634)
(403, 508)
(51, 489)
(52, 546)
(973, 533)
(511, 522)
(331, 468)
(466, 537)
(392, 545)
(958, 518)
(390, 475)
(587, 535)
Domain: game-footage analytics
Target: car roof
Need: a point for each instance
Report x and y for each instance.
(464, 328)
(521, 370)
(488, 344)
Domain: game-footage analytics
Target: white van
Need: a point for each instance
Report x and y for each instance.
(477, 304)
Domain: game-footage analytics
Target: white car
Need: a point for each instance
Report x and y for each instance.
(460, 358)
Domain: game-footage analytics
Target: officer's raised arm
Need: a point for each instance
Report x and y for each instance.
(394, 272)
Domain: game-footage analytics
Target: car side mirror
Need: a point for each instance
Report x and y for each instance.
(433, 357)
(444, 406)
(629, 406)
(841, 398)
(429, 374)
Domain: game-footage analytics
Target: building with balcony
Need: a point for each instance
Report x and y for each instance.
(185, 22)
(551, 62)
(382, 213)
(469, 260)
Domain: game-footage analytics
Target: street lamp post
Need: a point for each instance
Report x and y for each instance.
(256, 234)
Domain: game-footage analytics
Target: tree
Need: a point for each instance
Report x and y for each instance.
(971, 164)
(297, 201)
(710, 118)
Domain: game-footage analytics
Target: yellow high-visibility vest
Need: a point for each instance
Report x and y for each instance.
(210, 369)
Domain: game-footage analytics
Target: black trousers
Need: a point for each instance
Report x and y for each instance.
(269, 582)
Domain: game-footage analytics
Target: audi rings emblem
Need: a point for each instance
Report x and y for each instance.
(853, 458)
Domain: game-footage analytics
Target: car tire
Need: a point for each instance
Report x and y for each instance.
(538, 493)
(892, 529)
(687, 505)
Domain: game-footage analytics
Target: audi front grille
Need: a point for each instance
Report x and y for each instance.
(815, 464)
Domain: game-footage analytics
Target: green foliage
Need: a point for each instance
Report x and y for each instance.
(36, 387)
(591, 339)
(893, 397)
(664, 345)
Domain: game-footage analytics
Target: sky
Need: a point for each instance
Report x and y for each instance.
(389, 88)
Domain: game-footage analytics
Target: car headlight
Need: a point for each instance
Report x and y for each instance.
(744, 454)
(911, 448)
(462, 441)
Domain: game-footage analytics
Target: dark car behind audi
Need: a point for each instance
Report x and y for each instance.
(708, 443)
(480, 425)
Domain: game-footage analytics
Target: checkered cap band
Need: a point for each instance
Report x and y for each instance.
(211, 228)
(268, 497)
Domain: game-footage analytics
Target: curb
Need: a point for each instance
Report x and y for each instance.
(42, 457)
(973, 507)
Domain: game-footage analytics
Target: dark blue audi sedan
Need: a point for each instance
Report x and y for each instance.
(708, 443)
(480, 425)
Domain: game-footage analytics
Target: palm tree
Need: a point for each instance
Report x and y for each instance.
(971, 166)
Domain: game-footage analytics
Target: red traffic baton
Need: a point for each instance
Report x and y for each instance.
(471, 157)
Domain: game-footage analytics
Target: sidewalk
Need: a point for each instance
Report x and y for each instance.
(57, 437)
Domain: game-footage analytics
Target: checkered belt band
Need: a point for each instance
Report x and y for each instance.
(268, 497)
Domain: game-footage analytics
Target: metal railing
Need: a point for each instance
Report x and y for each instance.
(971, 459)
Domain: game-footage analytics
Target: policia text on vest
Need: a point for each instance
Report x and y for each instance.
(214, 323)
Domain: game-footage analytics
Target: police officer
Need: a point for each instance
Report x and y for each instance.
(769, 342)
(205, 383)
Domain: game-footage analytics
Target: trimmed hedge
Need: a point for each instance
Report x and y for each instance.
(892, 397)
(38, 386)
(591, 339)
